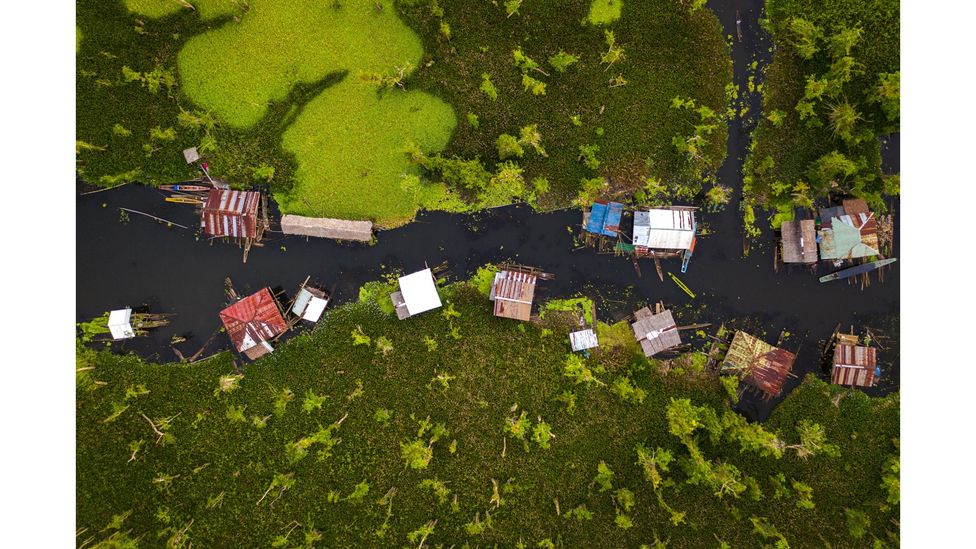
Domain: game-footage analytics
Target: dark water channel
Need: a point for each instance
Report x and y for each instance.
(142, 262)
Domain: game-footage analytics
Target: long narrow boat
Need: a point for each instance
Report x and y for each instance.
(857, 269)
(184, 188)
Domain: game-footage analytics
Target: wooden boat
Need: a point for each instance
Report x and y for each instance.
(183, 200)
(857, 269)
(184, 188)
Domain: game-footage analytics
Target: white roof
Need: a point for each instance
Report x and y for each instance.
(314, 309)
(419, 292)
(664, 229)
(583, 339)
(118, 324)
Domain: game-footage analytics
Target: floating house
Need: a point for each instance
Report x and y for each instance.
(583, 340)
(418, 293)
(120, 324)
(665, 233)
(513, 290)
(758, 363)
(671, 230)
(799, 240)
(253, 322)
(849, 231)
(237, 215)
(854, 364)
(655, 332)
(321, 227)
(603, 218)
(310, 303)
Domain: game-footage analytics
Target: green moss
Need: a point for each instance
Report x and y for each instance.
(604, 12)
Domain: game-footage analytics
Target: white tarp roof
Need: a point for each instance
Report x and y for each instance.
(118, 324)
(315, 308)
(664, 229)
(419, 292)
(583, 339)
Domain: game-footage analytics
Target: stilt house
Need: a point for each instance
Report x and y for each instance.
(758, 363)
(513, 291)
(120, 325)
(583, 340)
(799, 239)
(236, 215)
(854, 364)
(418, 293)
(848, 232)
(253, 322)
(655, 332)
(603, 218)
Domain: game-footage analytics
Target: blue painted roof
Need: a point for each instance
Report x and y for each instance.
(605, 218)
(598, 215)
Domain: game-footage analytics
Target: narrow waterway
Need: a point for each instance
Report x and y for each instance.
(142, 262)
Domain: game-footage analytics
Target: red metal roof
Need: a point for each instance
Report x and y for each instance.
(256, 315)
(854, 365)
(231, 213)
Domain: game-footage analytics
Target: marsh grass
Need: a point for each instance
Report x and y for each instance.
(284, 472)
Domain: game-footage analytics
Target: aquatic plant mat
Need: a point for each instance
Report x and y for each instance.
(457, 427)
(322, 100)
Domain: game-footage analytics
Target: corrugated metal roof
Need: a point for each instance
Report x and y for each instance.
(760, 364)
(253, 320)
(231, 213)
(513, 293)
(849, 237)
(799, 241)
(583, 339)
(656, 333)
(855, 365)
(664, 229)
(604, 218)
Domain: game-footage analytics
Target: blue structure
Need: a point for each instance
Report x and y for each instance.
(605, 218)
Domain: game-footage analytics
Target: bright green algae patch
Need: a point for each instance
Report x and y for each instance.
(349, 142)
(604, 12)
(237, 69)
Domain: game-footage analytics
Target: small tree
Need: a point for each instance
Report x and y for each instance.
(562, 61)
(804, 36)
(508, 146)
(614, 52)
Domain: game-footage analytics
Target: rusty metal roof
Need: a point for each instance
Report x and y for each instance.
(760, 364)
(253, 321)
(231, 213)
(513, 292)
(799, 241)
(854, 365)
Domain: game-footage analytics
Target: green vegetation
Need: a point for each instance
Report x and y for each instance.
(208, 9)
(337, 107)
(604, 12)
(333, 441)
(831, 89)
